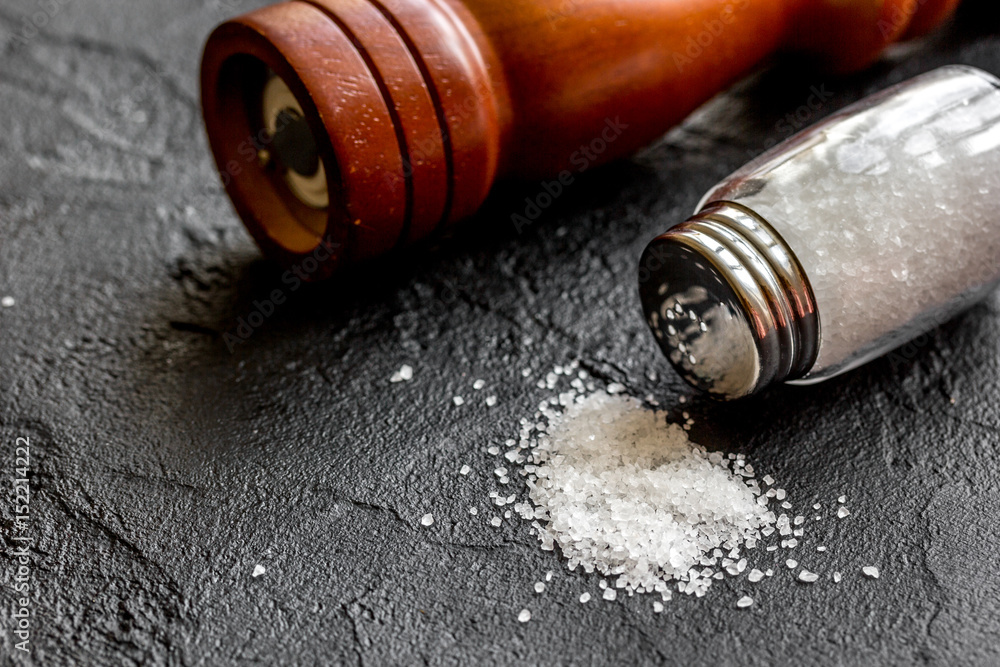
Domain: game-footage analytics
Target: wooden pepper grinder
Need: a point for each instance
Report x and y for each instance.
(345, 128)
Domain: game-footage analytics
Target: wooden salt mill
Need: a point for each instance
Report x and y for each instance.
(345, 128)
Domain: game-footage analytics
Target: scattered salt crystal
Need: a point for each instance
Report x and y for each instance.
(584, 597)
(524, 616)
(792, 564)
(609, 594)
(491, 401)
(496, 521)
(755, 575)
(816, 506)
(821, 548)
(769, 573)
(478, 384)
(526, 372)
(744, 602)
(494, 450)
(500, 472)
(836, 577)
(404, 374)
(473, 511)
(427, 520)
(780, 494)
(768, 480)
(539, 587)
(807, 576)
(843, 512)
(657, 607)
(458, 400)
(548, 576)
(8, 302)
(258, 570)
(870, 571)
(465, 470)
(615, 388)
(842, 500)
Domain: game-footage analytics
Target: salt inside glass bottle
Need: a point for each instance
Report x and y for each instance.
(838, 245)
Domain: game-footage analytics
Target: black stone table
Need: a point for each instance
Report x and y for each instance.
(164, 468)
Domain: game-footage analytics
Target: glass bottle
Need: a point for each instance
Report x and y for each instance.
(839, 244)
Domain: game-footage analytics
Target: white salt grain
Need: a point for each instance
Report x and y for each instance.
(258, 570)
(473, 511)
(870, 571)
(7, 302)
(755, 575)
(807, 576)
(458, 400)
(836, 577)
(609, 594)
(625, 493)
(491, 401)
(404, 374)
(842, 500)
(821, 548)
(496, 521)
(843, 512)
(465, 470)
(792, 564)
(524, 616)
(657, 607)
(478, 384)
(584, 597)
(539, 587)
(744, 602)
(427, 520)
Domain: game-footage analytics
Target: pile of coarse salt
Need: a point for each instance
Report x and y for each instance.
(623, 493)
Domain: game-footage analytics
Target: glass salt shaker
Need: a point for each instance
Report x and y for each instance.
(838, 245)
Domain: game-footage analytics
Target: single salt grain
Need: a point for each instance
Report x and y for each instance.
(657, 607)
(458, 400)
(465, 470)
(807, 576)
(792, 564)
(821, 548)
(404, 374)
(473, 511)
(584, 597)
(836, 577)
(744, 602)
(493, 450)
(539, 587)
(478, 384)
(496, 521)
(7, 302)
(769, 573)
(427, 520)
(609, 594)
(500, 472)
(870, 571)
(524, 616)
(842, 500)
(755, 575)
(258, 570)
(491, 401)
(843, 512)
(548, 576)
(768, 480)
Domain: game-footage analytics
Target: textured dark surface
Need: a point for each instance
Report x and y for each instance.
(165, 468)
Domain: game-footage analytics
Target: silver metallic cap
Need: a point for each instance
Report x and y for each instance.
(728, 303)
